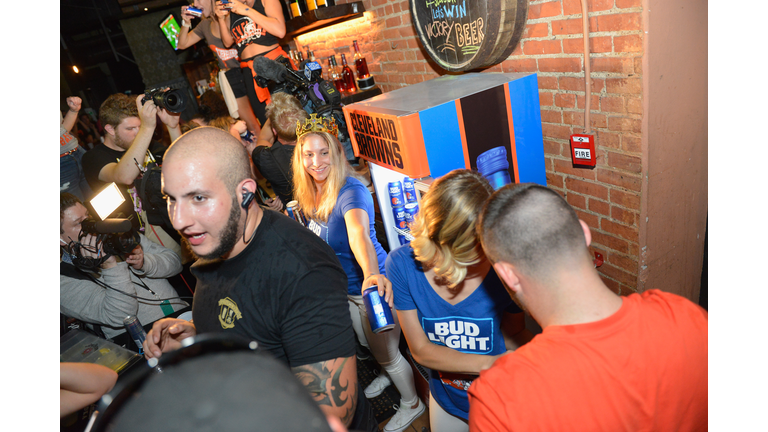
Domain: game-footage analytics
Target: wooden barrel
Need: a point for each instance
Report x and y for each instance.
(462, 35)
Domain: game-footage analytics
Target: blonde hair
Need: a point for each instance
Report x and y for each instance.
(283, 113)
(304, 189)
(444, 229)
(223, 122)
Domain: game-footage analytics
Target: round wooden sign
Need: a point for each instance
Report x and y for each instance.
(463, 35)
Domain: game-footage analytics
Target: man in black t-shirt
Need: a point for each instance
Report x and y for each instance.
(128, 127)
(260, 274)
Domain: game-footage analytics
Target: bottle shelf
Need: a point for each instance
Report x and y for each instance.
(323, 17)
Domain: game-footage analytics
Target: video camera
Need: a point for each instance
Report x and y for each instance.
(114, 236)
(172, 100)
(307, 85)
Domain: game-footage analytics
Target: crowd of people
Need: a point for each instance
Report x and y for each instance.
(459, 291)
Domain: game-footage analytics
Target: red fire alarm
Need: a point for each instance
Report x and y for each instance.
(583, 150)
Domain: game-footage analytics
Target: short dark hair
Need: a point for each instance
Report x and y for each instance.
(117, 108)
(531, 227)
(67, 200)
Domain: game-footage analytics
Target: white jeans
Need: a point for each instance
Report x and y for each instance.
(385, 347)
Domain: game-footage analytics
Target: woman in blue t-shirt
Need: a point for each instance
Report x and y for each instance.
(455, 313)
(340, 210)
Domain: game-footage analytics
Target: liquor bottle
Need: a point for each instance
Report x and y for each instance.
(310, 55)
(299, 57)
(311, 5)
(360, 64)
(347, 75)
(295, 8)
(333, 71)
(322, 3)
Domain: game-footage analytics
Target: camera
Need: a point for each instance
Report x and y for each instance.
(170, 100)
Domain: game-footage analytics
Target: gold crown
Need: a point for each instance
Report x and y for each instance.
(317, 124)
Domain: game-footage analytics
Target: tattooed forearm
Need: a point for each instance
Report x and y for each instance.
(333, 384)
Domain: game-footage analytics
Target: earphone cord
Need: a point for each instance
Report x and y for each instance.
(105, 285)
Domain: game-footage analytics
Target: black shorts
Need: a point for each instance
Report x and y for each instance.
(235, 79)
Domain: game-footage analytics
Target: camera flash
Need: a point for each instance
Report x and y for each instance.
(107, 200)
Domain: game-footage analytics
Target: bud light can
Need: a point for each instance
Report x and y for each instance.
(399, 214)
(379, 313)
(410, 210)
(409, 190)
(402, 239)
(134, 328)
(396, 194)
(194, 11)
(294, 212)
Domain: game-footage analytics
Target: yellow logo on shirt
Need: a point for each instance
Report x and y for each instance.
(228, 313)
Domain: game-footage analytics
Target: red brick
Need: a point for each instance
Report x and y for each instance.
(410, 55)
(624, 85)
(626, 4)
(391, 34)
(618, 274)
(551, 116)
(552, 147)
(565, 100)
(591, 220)
(586, 188)
(596, 45)
(630, 200)
(598, 206)
(625, 124)
(396, 8)
(566, 167)
(395, 56)
(575, 118)
(567, 27)
(577, 84)
(609, 241)
(631, 143)
(607, 140)
(554, 180)
(617, 22)
(536, 30)
(625, 162)
(393, 22)
(634, 105)
(634, 249)
(563, 64)
(519, 65)
(378, 2)
(612, 104)
(620, 65)
(576, 200)
(638, 65)
(413, 43)
(594, 100)
(627, 264)
(389, 10)
(534, 47)
(544, 10)
(571, 7)
(622, 180)
(597, 120)
(628, 43)
(556, 131)
(407, 31)
(547, 82)
(624, 216)
(625, 232)
(546, 98)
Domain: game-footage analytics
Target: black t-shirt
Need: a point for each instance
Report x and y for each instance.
(245, 31)
(286, 290)
(94, 161)
(274, 163)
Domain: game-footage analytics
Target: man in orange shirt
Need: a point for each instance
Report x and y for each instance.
(602, 362)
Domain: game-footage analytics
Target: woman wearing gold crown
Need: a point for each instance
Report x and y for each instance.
(340, 210)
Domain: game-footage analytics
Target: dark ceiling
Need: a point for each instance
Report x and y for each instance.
(93, 40)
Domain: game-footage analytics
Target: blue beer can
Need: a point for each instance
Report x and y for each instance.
(400, 218)
(395, 194)
(402, 239)
(379, 313)
(410, 190)
(136, 331)
(293, 211)
(410, 212)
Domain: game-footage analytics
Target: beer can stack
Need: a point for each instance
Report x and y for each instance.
(404, 205)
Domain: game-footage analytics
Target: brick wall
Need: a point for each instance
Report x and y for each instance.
(607, 198)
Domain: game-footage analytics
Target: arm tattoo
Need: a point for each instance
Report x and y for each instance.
(324, 385)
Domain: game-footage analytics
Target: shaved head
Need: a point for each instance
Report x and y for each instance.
(533, 228)
(213, 146)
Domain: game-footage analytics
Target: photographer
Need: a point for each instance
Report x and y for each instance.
(128, 126)
(142, 274)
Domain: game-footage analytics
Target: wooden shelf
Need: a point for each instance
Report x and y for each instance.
(322, 17)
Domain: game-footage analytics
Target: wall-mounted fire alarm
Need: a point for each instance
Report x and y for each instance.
(583, 150)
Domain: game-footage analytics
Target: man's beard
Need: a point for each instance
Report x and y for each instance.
(125, 145)
(228, 236)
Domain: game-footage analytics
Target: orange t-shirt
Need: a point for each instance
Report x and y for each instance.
(644, 368)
